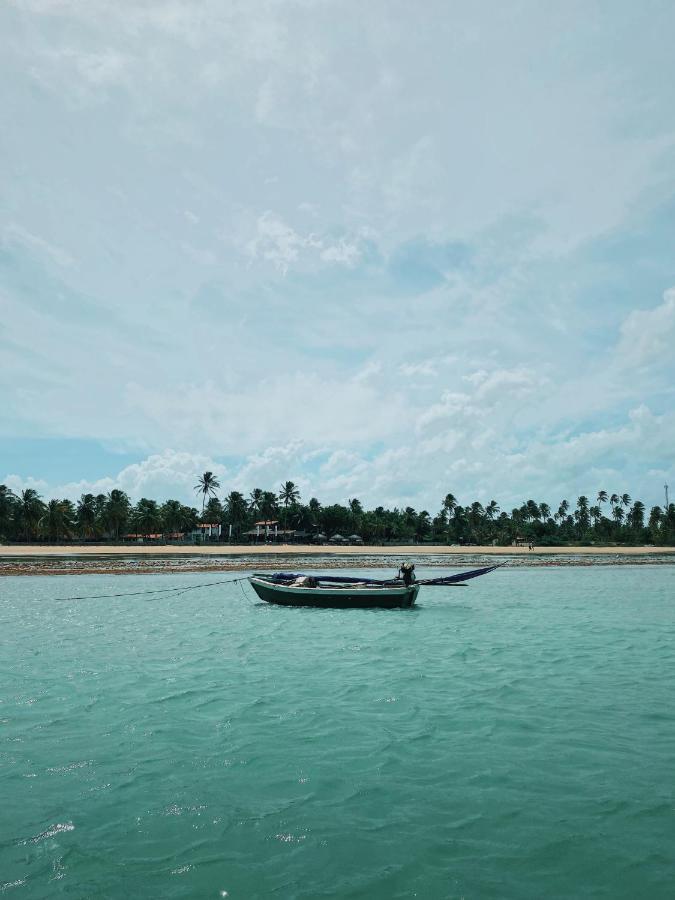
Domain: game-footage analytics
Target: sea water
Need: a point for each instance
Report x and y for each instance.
(513, 738)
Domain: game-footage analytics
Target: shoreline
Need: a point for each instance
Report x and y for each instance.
(68, 550)
(148, 560)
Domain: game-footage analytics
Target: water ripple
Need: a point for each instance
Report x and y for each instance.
(517, 742)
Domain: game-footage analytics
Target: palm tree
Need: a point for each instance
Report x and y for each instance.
(255, 500)
(532, 510)
(213, 512)
(268, 504)
(236, 511)
(7, 507)
(625, 500)
(116, 511)
(595, 514)
(581, 513)
(86, 516)
(545, 510)
(57, 519)
(450, 503)
(617, 514)
(637, 515)
(30, 509)
(602, 497)
(146, 517)
(289, 494)
(174, 516)
(613, 500)
(563, 509)
(491, 510)
(207, 485)
(356, 510)
(655, 517)
(423, 525)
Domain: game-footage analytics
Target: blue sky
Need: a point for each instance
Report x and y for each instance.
(384, 251)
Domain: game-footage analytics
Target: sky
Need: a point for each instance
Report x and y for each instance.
(385, 250)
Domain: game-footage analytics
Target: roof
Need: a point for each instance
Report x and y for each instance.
(267, 522)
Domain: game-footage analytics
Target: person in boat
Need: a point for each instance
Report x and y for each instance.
(407, 573)
(306, 581)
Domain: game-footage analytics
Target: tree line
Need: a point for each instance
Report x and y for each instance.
(609, 518)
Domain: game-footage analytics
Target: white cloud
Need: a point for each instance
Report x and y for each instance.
(159, 476)
(278, 243)
(648, 336)
(228, 144)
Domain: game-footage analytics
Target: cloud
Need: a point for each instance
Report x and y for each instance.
(292, 230)
(648, 336)
(279, 244)
(159, 476)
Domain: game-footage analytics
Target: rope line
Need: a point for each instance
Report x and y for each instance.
(182, 588)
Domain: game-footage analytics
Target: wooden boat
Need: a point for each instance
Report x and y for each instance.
(343, 592)
(337, 596)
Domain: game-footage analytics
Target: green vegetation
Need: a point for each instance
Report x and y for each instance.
(614, 518)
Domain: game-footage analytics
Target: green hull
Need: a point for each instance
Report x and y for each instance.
(336, 598)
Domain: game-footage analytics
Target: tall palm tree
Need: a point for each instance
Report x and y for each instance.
(289, 494)
(207, 485)
(86, 516)
(545, 510)
(356, 511)
(30, 509)
(613, 500)
(637, 515)
(255, 500)
(625, 500)
(533, 510)
(116, 512)
(491, 510)
(581, 515)
(602, 497)
(655, 517)
(450, 503)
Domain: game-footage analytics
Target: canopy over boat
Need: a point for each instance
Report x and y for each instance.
(341, 591)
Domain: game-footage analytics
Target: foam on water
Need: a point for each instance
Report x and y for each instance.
(515, 738)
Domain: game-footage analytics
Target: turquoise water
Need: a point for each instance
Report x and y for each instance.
(514, 738)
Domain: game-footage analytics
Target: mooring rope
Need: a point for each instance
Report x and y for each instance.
(180, 588)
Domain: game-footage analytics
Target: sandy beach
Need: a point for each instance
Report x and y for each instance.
(419, 550)
(147, 559)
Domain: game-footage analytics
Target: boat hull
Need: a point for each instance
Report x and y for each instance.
(336, 598)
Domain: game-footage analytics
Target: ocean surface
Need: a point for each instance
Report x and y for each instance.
(511, 739)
